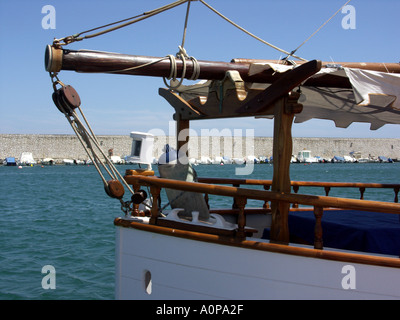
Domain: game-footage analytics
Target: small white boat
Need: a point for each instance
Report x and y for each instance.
(26, 159)
(48, 161)
(205, 160)
(238, 160)
(68, 162)
(304, 156)
(117, 160)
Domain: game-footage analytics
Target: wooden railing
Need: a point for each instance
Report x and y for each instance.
(241, 195)
(327, 186)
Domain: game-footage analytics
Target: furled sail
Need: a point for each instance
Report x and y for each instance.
(374, 97)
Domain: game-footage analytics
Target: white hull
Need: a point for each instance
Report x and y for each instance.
(187, 269)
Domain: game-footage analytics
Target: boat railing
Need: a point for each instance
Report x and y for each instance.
(327, 186)
(241, 195)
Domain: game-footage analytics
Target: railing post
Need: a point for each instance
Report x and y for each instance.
(396, 194)
(241, 203)
(135, 207)
(155, 192)
(362, 190)
(318, 243)
(234, 204)
(327, 189)
(295, 190)
(266, 203)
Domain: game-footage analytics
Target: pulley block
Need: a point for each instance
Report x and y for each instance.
(66, 99)
(114, 189)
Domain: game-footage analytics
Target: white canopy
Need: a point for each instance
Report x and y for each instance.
(374, 97)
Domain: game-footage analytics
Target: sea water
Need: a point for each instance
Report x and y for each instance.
(60, 216)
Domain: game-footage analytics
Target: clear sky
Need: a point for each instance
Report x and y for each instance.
(117, 104)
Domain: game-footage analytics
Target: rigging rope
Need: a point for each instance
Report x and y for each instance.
(137, 18)
(126, 22)
(247, 32)
(315, 32)
(85, 134)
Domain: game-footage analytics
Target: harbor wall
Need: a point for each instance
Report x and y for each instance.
(61, 147)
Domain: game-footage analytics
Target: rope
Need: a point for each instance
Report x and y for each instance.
(315, 32)
(87, 138)
(247, 32)
(174, 69)
(182, 54)
(137, 18)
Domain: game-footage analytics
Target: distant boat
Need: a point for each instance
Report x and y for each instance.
(217, 160)
(226, 160)
(238, 160)
(10, 161)
(304, 156)
(349, 159)
(68, 162)
(384, 159)
(48, 161)
(26, 159)
(252, 159)
(78, 161)
(205, 160)
(117, 160)
(338, 159)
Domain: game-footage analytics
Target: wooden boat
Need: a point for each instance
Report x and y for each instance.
(197, 252)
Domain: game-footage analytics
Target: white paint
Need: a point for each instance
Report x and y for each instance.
(188, 269)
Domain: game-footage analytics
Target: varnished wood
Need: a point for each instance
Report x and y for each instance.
(106, 62)
(310, 200)
(282, 152)
(287, 82)
(155, 192)
(296, 184)
(241, 202)
(318, 243)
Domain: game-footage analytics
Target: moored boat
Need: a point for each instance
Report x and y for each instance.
(10, 161)
(26, 159)
(188, 250)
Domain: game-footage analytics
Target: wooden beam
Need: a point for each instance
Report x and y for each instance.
(282, 153)
(287, 82)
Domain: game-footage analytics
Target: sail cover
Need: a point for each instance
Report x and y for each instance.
(374, 97)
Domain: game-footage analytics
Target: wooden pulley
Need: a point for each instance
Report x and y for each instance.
(114, 189)
(70, 96)
(66, 99)
(57, 101)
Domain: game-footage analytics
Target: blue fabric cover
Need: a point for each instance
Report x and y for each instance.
(347, 229)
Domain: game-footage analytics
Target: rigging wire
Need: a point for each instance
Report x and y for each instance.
(137, 18)
(249, 33)
(315, 32)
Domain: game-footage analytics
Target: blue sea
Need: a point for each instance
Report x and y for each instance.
(60, 216)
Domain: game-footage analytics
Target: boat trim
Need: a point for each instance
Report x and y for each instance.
(381, 261)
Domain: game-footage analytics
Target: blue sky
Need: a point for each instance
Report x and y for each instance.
(117, 104)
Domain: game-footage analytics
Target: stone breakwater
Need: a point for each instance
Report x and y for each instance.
(60, 147)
